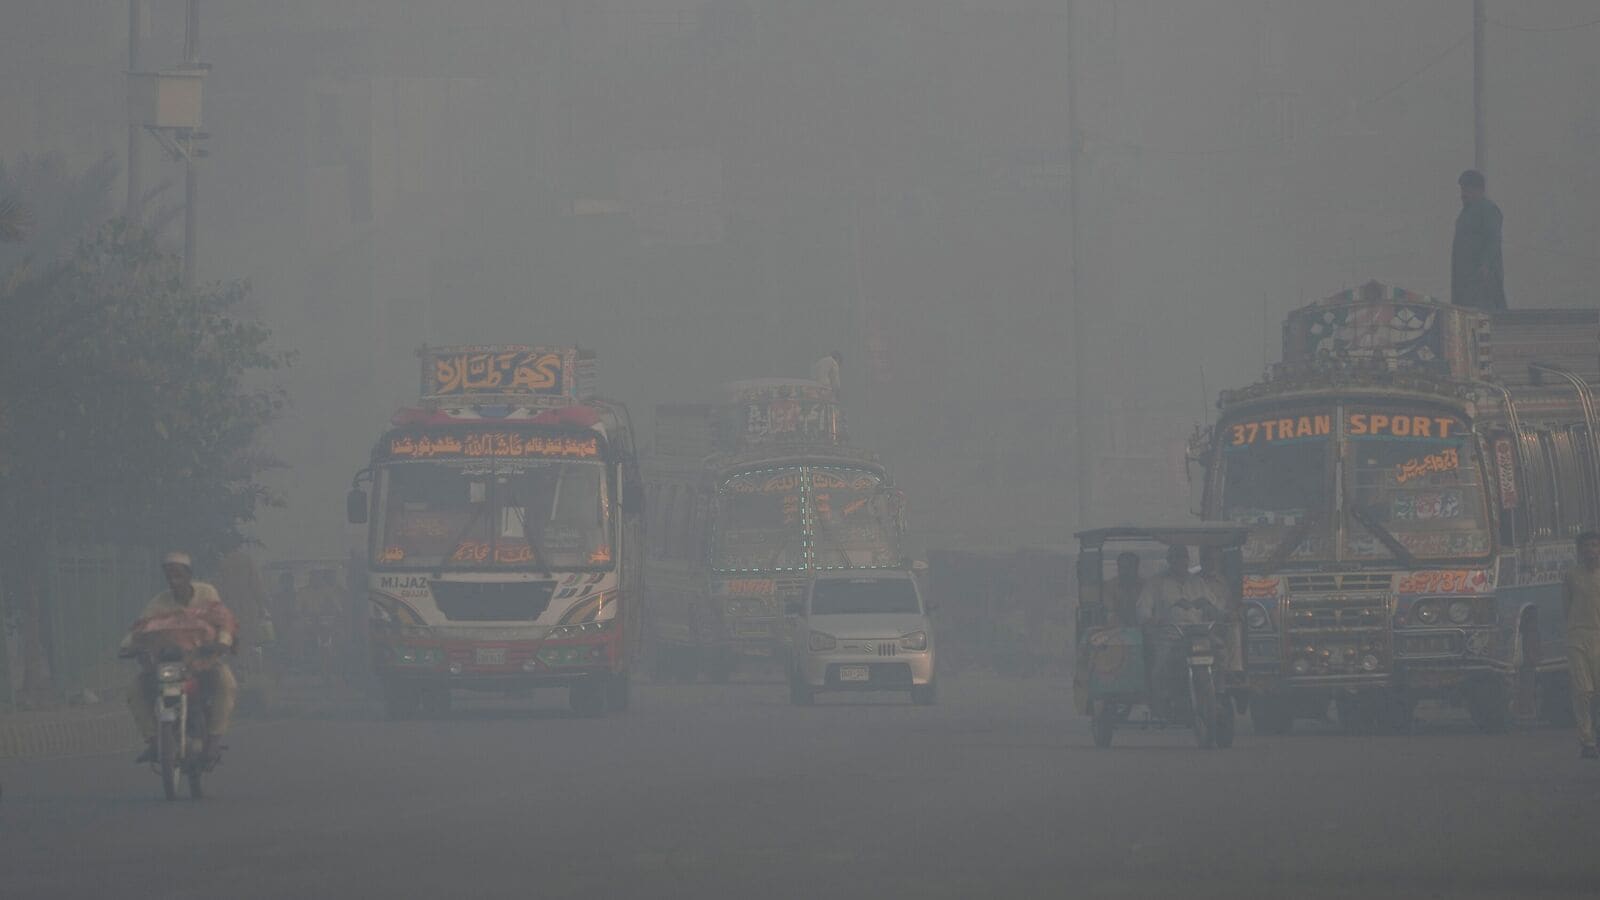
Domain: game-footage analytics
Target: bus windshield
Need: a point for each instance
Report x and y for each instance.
(1356, 482)
(539, 514)
(1413, 487)
(1277, 478)
(759, 523)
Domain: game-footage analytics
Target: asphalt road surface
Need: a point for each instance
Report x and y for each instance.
(727, 791)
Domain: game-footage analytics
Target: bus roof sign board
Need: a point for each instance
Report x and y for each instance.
(533, 377)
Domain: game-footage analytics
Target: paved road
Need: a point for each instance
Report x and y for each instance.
(727, 791)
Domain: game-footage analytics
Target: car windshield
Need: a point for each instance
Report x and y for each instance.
(760, 525)
(542, 514)
(1277, 479)
(854, 522)
(863, 596)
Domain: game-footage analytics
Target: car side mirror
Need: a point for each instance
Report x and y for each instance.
(931, 605)
(355, 506)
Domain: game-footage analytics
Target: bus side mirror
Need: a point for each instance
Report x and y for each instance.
(355, 506)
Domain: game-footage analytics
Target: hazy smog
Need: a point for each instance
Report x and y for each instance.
(684, 448)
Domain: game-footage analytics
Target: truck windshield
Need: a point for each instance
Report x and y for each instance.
(760, 525)
(1277, 479)
(1413, 479)
(539, 514)
(853, 520)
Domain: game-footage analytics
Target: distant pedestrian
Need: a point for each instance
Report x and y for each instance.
(1581, 600)
(826, 371)
(1477, 272)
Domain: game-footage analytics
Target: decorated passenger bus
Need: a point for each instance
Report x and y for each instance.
(1414, 474)
(504, 544)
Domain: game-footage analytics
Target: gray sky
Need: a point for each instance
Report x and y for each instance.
(708, 189)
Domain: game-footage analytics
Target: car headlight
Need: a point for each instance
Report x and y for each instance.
(916, 640)
(1460, 611)
(1426, 612)
(821, 640)
(1255, 617)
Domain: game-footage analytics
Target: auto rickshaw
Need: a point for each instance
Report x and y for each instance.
(1115, 662)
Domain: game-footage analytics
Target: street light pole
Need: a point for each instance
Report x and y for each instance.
(1081, 431)
(191, 175)
(130, 209)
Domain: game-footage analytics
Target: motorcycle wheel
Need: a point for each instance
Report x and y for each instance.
(1203, 696)
(1225, 722)
(1105, 725)
(170, 742)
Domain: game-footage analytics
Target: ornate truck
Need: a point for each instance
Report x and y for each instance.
(748, 499)
(504, 546)
(1414, 474)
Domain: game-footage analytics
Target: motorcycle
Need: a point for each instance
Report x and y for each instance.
(1210, 706)
(181, 716)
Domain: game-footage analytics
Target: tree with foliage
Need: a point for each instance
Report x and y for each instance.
(129, 407)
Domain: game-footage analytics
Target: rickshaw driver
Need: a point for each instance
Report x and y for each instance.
(1175, 597)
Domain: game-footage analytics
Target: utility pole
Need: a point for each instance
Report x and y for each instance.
(1081, 431)
(191, 179)
(1480, 150)
(135, 33)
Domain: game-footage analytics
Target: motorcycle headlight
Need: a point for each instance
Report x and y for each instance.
(1426, 613)
(821, 640)
(1460, 611)
(916, 640)
(1255, 617)
(169, 672)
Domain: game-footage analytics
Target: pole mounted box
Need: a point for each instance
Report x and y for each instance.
(169, 99)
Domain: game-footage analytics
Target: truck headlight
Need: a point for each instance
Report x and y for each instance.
(821, 640)
(916, 640)
(1426, 612)
(1460, 611)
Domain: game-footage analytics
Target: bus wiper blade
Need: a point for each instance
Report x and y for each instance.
(1384, 536)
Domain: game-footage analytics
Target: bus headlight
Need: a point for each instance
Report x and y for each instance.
(1460, 611)
(1255, 617)
(1426, 612)
(1300, 666)
(1370, 662)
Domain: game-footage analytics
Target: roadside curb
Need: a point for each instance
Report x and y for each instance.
(109, 732)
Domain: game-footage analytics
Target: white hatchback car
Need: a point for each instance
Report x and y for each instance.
(860, 631)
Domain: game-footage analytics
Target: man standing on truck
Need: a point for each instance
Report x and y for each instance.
(1477, 276)
(826, 371)
(1581, 599)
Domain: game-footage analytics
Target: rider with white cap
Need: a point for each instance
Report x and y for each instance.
(196, 600)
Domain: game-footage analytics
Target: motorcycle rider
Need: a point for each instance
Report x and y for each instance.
(220, 690)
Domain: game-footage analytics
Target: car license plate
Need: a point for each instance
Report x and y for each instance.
(854, 673)
(490, 656)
